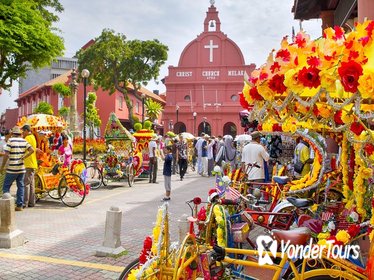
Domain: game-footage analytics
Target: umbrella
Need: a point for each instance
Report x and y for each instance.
(43, 122)
(187, 135)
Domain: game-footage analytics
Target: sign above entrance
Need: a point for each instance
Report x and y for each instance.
(211, 74)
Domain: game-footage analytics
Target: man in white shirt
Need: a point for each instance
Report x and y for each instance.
(152, 146)
(254, 152)
(198, 147)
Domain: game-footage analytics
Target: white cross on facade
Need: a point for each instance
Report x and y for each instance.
(211, 47)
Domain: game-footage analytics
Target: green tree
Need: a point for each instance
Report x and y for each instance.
(153, 109)
(64, 112)
(26, 37)
(92, 114)
(62, 89)
(115, 62)
(43, 108)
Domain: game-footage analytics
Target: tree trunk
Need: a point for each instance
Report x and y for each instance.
(129, 107)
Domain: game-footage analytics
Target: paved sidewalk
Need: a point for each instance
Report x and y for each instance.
(61, 241)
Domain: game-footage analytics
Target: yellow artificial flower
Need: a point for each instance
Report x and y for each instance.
(328, 78)
(264, 90)
(347, 117)
(343, 236)
(291, 81)
(366, 83)
(322, 242)
(323, 235)
(366, 173)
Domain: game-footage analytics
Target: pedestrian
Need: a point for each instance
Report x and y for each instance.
(211, 144)
(252, 153)
(198, 153)
(204, 155)
(167, 173)
(16, 150)
(66, 150)
(152, 150)
(303, 157)
(31, 164)
(182, 156)
(3, 140)
(227, 153)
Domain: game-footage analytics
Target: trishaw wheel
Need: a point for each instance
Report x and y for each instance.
(126, 272)
(131, 175)
(39, 189)
(94, 177)
(72, 190)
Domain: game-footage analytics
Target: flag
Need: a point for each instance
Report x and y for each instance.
(228, 192)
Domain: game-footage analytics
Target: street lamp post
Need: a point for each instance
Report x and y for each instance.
(171, 125)
(204, 124)
(85, 74)
(177, 107)
(143, 100)
(194, 122)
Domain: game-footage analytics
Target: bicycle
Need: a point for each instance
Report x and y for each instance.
(94, 171)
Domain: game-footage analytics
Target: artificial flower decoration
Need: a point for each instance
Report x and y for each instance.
(350, 73)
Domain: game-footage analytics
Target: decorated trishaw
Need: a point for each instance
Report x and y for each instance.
(120, 162)
(307, 89)
(51, 178)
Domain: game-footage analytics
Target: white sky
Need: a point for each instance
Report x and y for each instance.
(256, 26)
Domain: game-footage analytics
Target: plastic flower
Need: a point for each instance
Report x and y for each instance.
(343, 236)
(276, 84)
(292, 82)
(254, 94)
(349, 73)
(357, 128)
(309, 77)
(328, 78)
(366, 84)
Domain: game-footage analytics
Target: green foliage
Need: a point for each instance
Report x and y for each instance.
(137, 126)
(44, 108)
(153, 109)
(114, 62)
(62, 90)
(64, 111)
(135, 118)
(147, 125)
(26, 37)
(92, 114)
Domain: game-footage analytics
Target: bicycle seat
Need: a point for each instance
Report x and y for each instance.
(300, 202)
(281, 179)
(297, 236)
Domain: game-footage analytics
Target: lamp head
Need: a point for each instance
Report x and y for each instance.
(85, 73)
(194, 114)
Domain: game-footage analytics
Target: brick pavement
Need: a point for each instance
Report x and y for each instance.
(61, 241)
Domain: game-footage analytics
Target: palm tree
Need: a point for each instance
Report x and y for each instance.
(153, 109)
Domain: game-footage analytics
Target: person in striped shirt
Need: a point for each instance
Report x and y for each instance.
(16, 150)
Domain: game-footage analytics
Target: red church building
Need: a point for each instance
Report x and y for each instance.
(202, 91)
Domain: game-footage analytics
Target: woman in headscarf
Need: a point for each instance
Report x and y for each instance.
(227, 152)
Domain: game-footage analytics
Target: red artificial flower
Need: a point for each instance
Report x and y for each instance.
(259, 127)
(296, 60)
(197, 200)
(315, 110)
(369, 149)
(254, 94)
(353, 230)
(353, 55)
(143, 257)
(243, 102)
(274, 67)
(339, 33)
(253, 80)
(364, 40)
(309, 77)
(300, 40)
(349, 73)
(263, 76)
(348, 44)
(147, 245)
(357, 128)
(276, 84)
(201, 216)
(277, 127)
(370, 28)
(338, 118)
(284, 55)
(313, 61)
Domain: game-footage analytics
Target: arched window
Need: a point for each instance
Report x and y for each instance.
(187, 98)
(179, 127)
(205, 127)
(229, 129)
